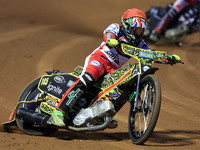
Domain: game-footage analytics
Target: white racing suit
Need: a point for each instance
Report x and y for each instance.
(102, 60)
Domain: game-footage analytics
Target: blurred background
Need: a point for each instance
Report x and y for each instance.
(41, 35)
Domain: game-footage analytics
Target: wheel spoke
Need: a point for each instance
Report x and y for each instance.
(143, 120)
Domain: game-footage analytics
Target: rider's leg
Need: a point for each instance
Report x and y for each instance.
(94, 67)
(69, 99)
(75, 92)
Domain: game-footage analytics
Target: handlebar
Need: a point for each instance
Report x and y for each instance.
(174, 61)
(146, 56)
(141, 54)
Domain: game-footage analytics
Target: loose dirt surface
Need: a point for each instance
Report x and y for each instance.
(41, 35)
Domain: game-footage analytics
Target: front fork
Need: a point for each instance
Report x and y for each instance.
(134, 97)
(137, 93)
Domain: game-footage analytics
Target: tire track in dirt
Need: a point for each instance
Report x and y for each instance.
(180, 97)
(49, 58)
(191, 52)
(126, 145)
(7, 38)
(13, 35)
(182, 109)
(5, 104)
(189, 66)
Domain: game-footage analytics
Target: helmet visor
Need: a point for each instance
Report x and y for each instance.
(136, 31)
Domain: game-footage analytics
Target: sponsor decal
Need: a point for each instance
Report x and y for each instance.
(145, 55)
(108, 37)
(145, 68)
(59, 79)
(54, 89)
(113, 56)
(115, 94)
(73, 95)
(70, 83)
(95, 63)
(44, 81)
(51, 100)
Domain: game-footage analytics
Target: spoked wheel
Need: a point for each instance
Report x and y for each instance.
(29, 94)
(143, 118)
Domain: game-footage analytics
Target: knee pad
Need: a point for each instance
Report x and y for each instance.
(87, 79)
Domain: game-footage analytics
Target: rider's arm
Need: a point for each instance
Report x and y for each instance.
(169, 59)
(110, 35)
(111, 32)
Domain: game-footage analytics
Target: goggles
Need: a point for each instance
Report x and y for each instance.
(135, 30)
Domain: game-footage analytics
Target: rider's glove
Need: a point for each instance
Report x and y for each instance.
(112, 43)
(173, 59)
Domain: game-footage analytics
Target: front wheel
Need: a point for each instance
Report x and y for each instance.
(143, 118)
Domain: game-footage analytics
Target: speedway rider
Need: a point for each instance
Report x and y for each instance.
(106, 59)
(174, 13)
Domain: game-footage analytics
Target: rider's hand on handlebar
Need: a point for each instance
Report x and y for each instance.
(112, 43)
(173, 59)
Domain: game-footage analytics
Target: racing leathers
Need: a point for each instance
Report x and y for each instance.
(102, 60)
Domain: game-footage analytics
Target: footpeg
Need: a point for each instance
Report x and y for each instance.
(113, 124)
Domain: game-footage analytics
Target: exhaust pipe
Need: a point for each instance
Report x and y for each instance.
(32, 117)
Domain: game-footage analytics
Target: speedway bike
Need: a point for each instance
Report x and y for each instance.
(177, 30)
(95, 109)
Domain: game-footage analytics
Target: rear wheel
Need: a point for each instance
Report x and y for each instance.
(28, 94)
(143, 119)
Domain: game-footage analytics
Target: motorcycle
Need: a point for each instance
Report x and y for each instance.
(176, 31)
(135, 83)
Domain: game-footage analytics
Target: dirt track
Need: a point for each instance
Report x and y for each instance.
(37, 36)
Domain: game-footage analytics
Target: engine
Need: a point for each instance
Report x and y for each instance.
(98, 110)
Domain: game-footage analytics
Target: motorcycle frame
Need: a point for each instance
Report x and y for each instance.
(145, 58)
